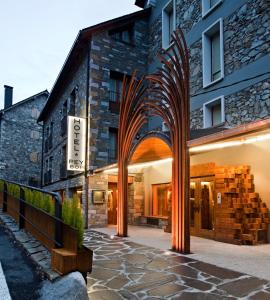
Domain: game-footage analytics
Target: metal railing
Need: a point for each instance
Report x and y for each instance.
(114, 101)
(57, 239)
(112, 155)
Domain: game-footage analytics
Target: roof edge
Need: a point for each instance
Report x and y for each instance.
(231, 133)
(25, 100)
(83, 35)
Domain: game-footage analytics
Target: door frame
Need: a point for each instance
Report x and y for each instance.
(197, 230)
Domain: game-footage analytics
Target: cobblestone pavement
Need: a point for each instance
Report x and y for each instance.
(126, 270)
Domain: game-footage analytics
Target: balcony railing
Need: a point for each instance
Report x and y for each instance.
(64, 126)
(114, 103)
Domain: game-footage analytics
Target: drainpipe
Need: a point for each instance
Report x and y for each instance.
(42, 157)
(87, 128)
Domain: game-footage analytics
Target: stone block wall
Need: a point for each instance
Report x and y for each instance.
(109, 54)
(248, 105)
(246, 41)
(98, 213)
(136, 199)
(21, 141)
(76, 79)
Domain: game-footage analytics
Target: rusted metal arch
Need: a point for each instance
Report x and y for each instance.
(164, 94)
(154, 133)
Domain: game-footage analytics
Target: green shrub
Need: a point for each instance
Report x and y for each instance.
(13, 190)
(39, 200)
(72, 215)
(1, 186)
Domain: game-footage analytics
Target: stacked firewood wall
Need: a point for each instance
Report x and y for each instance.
(240, 217)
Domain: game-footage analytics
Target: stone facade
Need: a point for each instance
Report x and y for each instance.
(246, 42)
(136, 199)
(21, 140)
(106, 54)
(248, 105)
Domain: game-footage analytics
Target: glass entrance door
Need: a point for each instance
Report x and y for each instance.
(202, 207)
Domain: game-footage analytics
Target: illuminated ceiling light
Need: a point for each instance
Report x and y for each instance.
(222, 145)
(205, 183)
(142, 165)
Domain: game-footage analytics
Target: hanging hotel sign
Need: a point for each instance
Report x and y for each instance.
(76, 144)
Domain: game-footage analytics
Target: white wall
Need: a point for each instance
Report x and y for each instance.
(256, 155)
(153, 175)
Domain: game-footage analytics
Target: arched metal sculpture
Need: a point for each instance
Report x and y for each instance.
(164, 94)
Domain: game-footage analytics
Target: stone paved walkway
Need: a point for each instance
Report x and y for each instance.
(126, 270)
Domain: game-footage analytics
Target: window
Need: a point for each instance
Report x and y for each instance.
(35, 113)
(50, 163)
(161, 198)
(214, 112)
(34, 134)
(115, 90)
(64, 109)
(124, 34)
(113, 139)
(209, 5)
(72, 102)
(168, 23)
(213, 61)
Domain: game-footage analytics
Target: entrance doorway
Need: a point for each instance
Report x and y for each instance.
(112, 204)
(202, 207)
(161, 194)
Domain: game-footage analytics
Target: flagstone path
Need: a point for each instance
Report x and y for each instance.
(126, 270)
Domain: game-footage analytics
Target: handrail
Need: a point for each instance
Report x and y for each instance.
(54, 194)
(58, 234)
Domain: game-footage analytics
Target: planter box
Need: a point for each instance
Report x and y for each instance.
(66, 261)
(84, 260)
(63, 261)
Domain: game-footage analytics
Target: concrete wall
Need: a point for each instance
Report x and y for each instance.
(255, 155)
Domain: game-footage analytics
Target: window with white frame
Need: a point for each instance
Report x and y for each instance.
(213, 53)
(214, 112)
(209, 5)
(168, 23)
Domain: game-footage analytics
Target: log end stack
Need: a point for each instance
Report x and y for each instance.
(241, 217)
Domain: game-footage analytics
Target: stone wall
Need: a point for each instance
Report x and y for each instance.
(136, 199)
(246, 35)
(109, 54)
(76, 79)
(248, 105)
(246, 40)
(98, 213)
(21, 141)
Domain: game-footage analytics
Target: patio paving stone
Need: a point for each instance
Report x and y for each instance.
(243, 287)
(132, 271)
